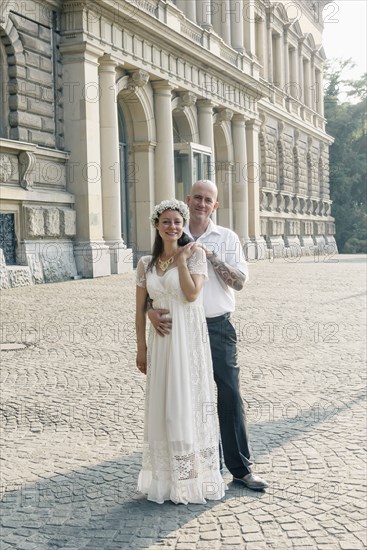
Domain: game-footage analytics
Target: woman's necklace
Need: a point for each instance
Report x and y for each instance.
(164, 264)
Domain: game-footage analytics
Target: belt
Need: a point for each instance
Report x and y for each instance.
(218, 319)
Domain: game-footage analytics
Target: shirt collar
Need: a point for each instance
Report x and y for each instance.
(212, 228)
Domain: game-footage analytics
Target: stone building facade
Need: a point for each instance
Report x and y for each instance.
(109, 107)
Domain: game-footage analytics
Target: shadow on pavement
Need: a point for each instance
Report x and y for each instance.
(97, 507)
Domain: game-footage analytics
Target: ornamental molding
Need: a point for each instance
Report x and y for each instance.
(225, 115)
(27, 163)
(187, 99)
(138, 79)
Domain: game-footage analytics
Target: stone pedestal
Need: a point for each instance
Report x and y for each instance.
(277, 246)
(291, 239)
(256, 249)
(330, 244)
(19, 275)
(49, 261)
(92, 259)
(319, 243)
(307, 245)
(121, 258)
(4, 278)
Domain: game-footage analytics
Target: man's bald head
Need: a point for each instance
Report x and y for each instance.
(207, 185)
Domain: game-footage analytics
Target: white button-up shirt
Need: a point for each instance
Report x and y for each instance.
(219, 298)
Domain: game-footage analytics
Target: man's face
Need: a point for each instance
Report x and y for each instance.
(202, 201)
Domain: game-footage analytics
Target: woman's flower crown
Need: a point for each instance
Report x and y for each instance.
(171, 204)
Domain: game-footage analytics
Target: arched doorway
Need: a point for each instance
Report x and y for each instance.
(125, 199)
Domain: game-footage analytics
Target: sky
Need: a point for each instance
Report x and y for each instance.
(345, 33)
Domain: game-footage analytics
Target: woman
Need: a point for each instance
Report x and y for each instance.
(181, 435)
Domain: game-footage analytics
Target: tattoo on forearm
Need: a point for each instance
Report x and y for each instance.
(232, 277)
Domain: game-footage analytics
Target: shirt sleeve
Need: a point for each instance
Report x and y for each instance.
(141, 278)
(197, 263)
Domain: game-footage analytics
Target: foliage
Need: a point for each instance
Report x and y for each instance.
(346, 123)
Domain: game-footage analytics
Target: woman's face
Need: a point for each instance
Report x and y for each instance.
(170, 225)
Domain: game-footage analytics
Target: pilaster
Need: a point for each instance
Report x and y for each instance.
(82, 138)
(110, 165)
(258, 248)
(239, 182)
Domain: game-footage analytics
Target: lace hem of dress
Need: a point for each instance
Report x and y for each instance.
(181, 474)
(209, 485)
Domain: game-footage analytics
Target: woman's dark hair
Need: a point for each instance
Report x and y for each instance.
(158, 247)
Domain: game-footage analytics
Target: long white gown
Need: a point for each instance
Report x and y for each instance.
(181, 433)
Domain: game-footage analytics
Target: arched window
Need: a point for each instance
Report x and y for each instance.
(4, 93)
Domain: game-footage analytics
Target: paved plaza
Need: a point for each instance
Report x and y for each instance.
(73, 405)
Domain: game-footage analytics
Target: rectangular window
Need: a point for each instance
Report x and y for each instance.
(192, 163)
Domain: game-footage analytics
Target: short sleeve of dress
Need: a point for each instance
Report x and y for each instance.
(197, 263)
(141, 270)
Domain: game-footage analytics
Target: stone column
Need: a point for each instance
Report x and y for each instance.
(144, 193)
(269, 35)
(82, 139)
(189, 8)
(319, 78)
(227, 17)
(164, 152)
(204, 10)
(261, 46)
(300, 72)
(206, 130)
(258, 249)
(248, 10)
(313, 89)
(279, 60)
(237, 22)
(110, 165)
(216, 16)
(239, 180)
(286, 83)
(294, 79)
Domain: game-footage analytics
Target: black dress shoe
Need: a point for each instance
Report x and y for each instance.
(252, 481)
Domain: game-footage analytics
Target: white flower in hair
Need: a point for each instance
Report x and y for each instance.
(171, 204)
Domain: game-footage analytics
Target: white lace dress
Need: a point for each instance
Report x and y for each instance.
(181, 434)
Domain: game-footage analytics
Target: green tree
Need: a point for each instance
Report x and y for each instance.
(346, 123)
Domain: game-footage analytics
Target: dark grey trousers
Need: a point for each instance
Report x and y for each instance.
(232, 422)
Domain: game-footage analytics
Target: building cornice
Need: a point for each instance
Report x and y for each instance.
(143, 25)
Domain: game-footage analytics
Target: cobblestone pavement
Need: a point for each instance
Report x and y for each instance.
(72, 417)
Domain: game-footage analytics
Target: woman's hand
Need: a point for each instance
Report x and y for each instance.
(141, 360)
(185, 252)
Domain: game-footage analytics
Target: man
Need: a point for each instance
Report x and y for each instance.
(227, 271)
